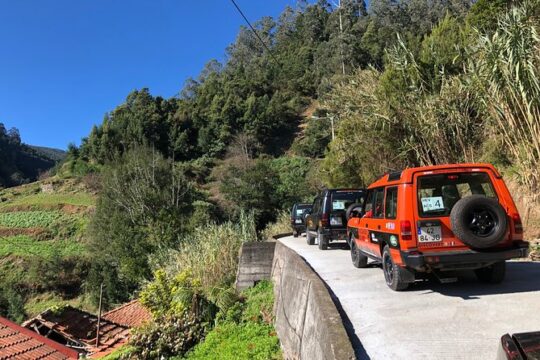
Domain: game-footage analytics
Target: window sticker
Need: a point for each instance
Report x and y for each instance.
(299, 212)
(434, 203)
(338, 205)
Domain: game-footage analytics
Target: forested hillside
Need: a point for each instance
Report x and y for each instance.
(20, 163)
(184, 181)
(406, 83)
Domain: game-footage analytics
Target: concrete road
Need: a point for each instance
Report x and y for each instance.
(462, 320)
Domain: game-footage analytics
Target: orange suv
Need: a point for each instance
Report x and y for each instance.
(437, 219)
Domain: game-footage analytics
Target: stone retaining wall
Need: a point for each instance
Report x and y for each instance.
(307, 321)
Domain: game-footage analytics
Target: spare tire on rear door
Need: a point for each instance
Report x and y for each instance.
(353, 210)
(478, 221)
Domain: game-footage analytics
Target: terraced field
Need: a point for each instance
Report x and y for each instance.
(29, 219)
(42, 228)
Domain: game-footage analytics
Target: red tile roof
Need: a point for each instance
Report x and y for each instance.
(132, 314)
(18, 343)
(78, 328)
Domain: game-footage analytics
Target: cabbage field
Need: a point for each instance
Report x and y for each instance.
(30, 219)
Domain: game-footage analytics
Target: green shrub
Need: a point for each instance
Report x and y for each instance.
(210, 254)
(280, 226)
(245, 332)
(230, 341)
(167, 337)
(259, 303)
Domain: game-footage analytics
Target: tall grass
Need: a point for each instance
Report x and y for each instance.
(281, 226)
(507, 70)
(210, 254)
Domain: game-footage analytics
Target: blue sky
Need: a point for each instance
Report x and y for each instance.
(64, 63)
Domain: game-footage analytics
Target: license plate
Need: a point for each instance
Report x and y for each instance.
(298, 221)
(336, 221)
(428, 234)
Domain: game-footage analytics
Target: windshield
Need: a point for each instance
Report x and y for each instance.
(341, 200)
(437, 194)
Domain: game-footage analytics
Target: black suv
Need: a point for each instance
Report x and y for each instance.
(327, 221)
(298, 216)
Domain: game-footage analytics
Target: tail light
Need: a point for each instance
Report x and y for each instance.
(325, 219)
(406, 230)
(518, 226)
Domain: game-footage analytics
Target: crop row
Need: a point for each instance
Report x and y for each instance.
(26, 246)
(29, 219)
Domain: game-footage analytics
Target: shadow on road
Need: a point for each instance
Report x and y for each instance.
(339, 246)
(521, 277)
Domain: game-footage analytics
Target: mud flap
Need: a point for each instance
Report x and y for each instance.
(407, 275)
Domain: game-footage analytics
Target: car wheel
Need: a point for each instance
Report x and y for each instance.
(359, 260)
(309, 239)
(493, 274)
(479, 221)
(321, 239)
(295, 234)
(392, 272)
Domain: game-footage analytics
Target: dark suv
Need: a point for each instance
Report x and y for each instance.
(298, 216)
(327, 221)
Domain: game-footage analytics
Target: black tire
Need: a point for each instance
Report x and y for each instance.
(321, 239)
(392, 272)
(352, 209)
(295, 234)
(359, 260)
(478, 221)
(493, 274)
(309, 239)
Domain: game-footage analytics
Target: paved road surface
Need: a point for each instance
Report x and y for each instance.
(463, 320)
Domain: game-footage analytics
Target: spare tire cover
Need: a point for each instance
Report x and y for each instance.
(352, 208)
(478, 221)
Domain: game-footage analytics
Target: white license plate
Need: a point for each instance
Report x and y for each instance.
(429, 234)
(336, 221)
(298, 221)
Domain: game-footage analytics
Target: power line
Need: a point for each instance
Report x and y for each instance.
(254, 31)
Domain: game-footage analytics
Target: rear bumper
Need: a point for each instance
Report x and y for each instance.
(335, 233)
(299, 227)
(469, 259)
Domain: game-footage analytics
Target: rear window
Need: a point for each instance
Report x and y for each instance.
(301, 209)
(437, 194)
(341, 200)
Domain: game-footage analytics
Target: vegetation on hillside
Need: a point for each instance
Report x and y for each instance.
(183, 182)
(245, 332)
(43, 259)
(20, 163)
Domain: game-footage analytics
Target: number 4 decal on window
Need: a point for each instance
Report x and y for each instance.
(432, 203)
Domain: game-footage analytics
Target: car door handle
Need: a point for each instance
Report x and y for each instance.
(379, 227)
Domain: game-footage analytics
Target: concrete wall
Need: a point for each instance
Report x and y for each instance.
(255, 264)
(307, 321)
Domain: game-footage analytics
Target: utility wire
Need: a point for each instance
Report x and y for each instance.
(255, 31)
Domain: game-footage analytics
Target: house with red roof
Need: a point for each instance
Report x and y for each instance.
(78, 329)
(19, 343)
